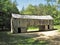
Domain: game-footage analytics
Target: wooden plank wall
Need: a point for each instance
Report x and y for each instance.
(32, 22)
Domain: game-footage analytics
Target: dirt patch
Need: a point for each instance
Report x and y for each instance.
(36, 35)
(51, 37)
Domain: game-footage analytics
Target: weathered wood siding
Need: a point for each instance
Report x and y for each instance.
(24, 23)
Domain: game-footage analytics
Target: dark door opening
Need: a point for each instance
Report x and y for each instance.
(19, 30)
(48, 27)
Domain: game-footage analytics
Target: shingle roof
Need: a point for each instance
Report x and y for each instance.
(48, 17)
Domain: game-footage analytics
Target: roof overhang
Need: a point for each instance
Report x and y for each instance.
(46, 17)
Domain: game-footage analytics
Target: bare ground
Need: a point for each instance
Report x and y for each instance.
(40, 34)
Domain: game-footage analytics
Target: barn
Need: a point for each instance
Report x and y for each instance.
(19, 23)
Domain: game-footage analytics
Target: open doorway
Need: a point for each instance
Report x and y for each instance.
(19, 30)
(48, 27)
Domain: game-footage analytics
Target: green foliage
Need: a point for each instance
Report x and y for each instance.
(7, 6)
(6, 9)
(29, 10)
(41, 9)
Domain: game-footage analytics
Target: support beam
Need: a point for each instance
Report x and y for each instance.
(46, 27)
(51, 27)
(11, 26)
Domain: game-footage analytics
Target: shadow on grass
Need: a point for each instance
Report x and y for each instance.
(40, 42)
(55, 40)
(9, 39)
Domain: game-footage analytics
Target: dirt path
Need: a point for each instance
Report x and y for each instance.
(36, 35)
(48, 34)
(52, 37)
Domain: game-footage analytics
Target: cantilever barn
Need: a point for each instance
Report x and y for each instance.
(19, 23)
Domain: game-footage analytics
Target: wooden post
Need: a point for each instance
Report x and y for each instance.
(46, 27)
(11, 26)
(50, 26)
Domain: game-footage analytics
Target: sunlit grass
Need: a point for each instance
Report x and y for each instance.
(57, 27)
(31, 28)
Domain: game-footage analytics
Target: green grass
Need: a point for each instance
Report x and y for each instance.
(9, 39)
(31, 28)
(57, 26)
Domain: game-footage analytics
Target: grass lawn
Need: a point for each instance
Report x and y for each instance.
(33, 28)
(57, 27)
(9, 39)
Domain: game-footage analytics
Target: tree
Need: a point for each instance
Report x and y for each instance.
(43, 10)
(29, 10)
(6, 9)
(22, 11)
